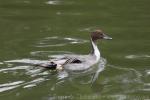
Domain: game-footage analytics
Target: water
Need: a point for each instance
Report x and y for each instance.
(32, 31)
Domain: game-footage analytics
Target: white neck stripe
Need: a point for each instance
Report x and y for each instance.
(96, 51)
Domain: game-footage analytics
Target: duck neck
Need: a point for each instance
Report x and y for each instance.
(95, 51)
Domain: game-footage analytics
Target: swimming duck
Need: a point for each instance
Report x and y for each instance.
(78, 62)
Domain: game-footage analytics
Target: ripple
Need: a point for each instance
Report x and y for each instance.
(127, 79)
(48, 53)
(26, 65)
(34, 82)
(29, 86)
(38, 75)
(1, 63)
(26, 69)
(10, 86)
(88, 29)
(14, 68)
(69, 13)
(146, 87)
(53, 2)
(148, 72)
(130, 76)
(137, 56)
(101, 67)
(55, 41)
(26, 61)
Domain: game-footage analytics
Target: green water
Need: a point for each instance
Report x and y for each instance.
(36, 29)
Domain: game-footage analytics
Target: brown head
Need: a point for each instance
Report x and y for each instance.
(99, 34)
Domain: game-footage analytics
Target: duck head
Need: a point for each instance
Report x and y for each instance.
(99, 34)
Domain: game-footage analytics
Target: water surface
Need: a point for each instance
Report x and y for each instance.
(32, 31)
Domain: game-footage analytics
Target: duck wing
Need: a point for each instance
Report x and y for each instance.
(72, 61)
(68, 59)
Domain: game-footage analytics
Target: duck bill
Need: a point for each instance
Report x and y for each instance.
(107, 37)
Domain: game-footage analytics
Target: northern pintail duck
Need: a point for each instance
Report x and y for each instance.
(78, 62)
